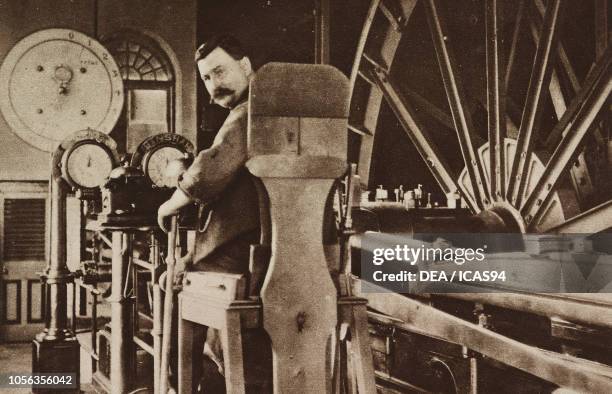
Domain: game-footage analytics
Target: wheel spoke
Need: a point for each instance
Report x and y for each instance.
(495, 103)
(457, 103)
(540, 76)
(592, 221)
(419, 137)
(515, 38)
(574, 125)
(579, 173)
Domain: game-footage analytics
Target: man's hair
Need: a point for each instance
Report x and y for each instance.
(229, 44)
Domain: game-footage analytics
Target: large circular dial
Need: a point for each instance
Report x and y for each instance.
(88, 165)
(58, 81)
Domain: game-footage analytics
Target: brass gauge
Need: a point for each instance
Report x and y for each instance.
(156, 153)
(85, 159)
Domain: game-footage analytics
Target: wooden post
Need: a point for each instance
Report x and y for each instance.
(297, 145)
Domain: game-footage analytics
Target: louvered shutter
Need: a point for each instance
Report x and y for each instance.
(24, 229)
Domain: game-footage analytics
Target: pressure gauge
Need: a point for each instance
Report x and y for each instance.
(156, 153)
(88, 165)
(55, 82)
(85, 159)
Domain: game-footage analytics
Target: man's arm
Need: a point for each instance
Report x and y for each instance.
(213, 168)
(171, 207)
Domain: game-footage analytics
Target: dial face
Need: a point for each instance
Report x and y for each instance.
(88, 165)
(157, 164)
(58, 81)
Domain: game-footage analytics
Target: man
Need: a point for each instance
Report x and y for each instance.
(218, 179)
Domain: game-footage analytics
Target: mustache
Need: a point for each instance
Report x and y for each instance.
(221, 92)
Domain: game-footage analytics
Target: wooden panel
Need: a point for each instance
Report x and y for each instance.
(35, 301)
(11, 299)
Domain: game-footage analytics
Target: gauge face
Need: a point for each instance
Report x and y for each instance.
(57, 81)
(88, 165)
(157, 164)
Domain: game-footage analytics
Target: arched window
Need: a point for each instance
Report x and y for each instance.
(149, 84)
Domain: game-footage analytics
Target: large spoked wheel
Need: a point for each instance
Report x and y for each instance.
(505, 102)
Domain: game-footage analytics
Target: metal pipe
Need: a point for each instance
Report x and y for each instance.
(168, 304)
(157, 315)
(94, 331)
(120, 310)
(57, 275)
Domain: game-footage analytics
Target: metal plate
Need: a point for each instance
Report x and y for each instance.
(58, 81)
(554, 211)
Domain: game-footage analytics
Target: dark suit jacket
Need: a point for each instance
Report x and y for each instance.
(218, 179)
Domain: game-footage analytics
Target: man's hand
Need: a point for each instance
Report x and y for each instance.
(171, 207)
(164, 213)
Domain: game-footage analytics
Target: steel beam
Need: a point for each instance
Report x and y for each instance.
(515, 39)
(540, 77)
(496, 107)
(592, 221)
(575, 123)
(581, 178)
(458, 105)
(419, 136)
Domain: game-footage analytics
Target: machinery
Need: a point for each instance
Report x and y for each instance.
(530, 112)
(492, 98)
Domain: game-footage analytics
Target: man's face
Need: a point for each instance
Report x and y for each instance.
(226, 79)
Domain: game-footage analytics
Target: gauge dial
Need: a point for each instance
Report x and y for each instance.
(88, 165)
(155, 154)
(157, 164)
(57, 81)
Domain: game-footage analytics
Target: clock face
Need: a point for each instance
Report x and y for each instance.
(58, 81)
(88, 165)
(157, 164)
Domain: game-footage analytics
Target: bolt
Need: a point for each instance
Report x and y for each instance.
(39, 110)
(39, 68)
(83, 70)
(83, 112)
